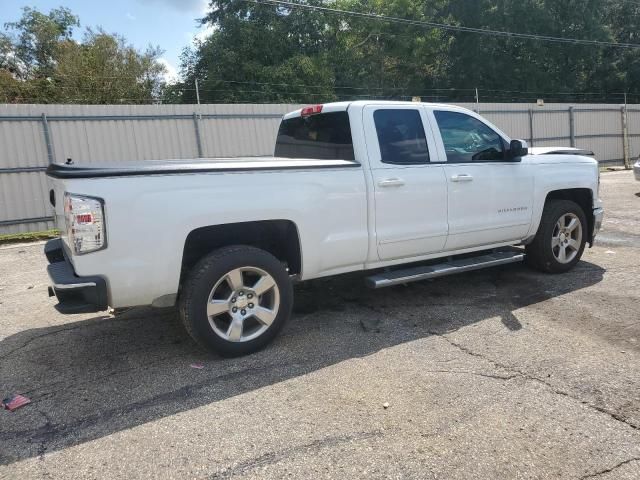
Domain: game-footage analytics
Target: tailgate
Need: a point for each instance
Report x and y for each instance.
(57, 187)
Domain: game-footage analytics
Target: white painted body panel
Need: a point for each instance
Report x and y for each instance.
(494, 206)
(149, 218)
(410, 200)
(345, 221)
(560, 172)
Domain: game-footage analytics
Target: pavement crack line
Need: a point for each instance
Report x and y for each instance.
(609, 470)
(272, 458)
(81, 427)
(43, 445)
(527, 376)
(37, 337)
(477, 374)
(79, 326)
(47, 389)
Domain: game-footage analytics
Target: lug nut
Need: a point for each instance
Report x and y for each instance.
(234, 309)
(250, 296)
(251, 305)
(244, 312)
(233, 300)
(241, 293)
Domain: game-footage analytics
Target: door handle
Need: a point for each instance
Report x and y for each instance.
(391, 182)
(463, 177)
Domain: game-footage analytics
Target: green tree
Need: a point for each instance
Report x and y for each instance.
(104, 69)
(40, 62)
(621, 71)
(32, 51)
(518, 65)
(257, 53)
(386, 59)
(262, 52)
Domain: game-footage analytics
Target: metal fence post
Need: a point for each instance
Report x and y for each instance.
(531, 137)
(47, 139)
(625, 138)
(572, 127)
(196, 125)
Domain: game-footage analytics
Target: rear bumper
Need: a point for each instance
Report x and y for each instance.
(636, 170)
(75, 294)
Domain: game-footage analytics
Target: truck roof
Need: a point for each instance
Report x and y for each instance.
(343, 106)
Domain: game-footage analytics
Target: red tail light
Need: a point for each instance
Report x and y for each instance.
(84, 218)
(312, 110)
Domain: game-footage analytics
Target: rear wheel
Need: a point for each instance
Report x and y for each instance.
(235, 300)
(561, 237)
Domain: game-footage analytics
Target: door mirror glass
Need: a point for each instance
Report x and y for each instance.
(518, 148)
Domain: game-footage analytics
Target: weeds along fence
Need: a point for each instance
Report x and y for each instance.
(34, 136)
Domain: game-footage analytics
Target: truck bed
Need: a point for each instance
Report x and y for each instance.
(176, 167)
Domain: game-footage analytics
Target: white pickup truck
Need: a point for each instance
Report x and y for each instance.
(402, 191)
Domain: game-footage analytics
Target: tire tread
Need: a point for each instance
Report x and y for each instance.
(538, 256)
(195, 277)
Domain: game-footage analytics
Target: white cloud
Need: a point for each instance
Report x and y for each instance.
(204, 32)
(171, 73)
(201, 34)
(130, 16)
(204, 7)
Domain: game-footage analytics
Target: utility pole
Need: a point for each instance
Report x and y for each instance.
(197, 116)
(625, 135)
(477, 102)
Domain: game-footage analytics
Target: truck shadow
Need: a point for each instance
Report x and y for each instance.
(91, 378)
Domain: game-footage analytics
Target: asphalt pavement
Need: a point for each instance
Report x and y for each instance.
(500, 374)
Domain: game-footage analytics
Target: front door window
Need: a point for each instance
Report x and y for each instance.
(466, 139)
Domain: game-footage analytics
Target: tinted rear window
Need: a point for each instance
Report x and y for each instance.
(401, 136)
(326, 136)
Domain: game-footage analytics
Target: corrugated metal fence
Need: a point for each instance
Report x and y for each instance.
(32, 136)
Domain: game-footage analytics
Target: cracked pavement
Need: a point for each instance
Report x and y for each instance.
(502, 373)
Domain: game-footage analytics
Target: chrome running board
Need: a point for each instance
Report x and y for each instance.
(415, 274)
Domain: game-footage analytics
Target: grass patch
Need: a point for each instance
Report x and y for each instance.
(28, 237)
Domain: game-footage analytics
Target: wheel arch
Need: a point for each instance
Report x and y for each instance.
(584, 197)
(281, 238)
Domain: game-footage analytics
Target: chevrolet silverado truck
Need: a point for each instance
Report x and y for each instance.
(402, 191)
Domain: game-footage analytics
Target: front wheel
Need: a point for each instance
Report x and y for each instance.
(561, 237)
(235, 300)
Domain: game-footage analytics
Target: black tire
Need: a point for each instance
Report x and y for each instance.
(540, 254)
(207, 273)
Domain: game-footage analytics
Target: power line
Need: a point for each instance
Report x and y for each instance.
(330, 87)
(362, 92)
(331, 93)
(253, 82)
(535, 92)
(446, 26)
(631, 2)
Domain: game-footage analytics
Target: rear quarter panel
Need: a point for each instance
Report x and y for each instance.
(148, 220)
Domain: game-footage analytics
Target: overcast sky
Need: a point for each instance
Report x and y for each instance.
(171, 24)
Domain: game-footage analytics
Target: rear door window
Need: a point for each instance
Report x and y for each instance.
(325, 136)
(401, 136)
